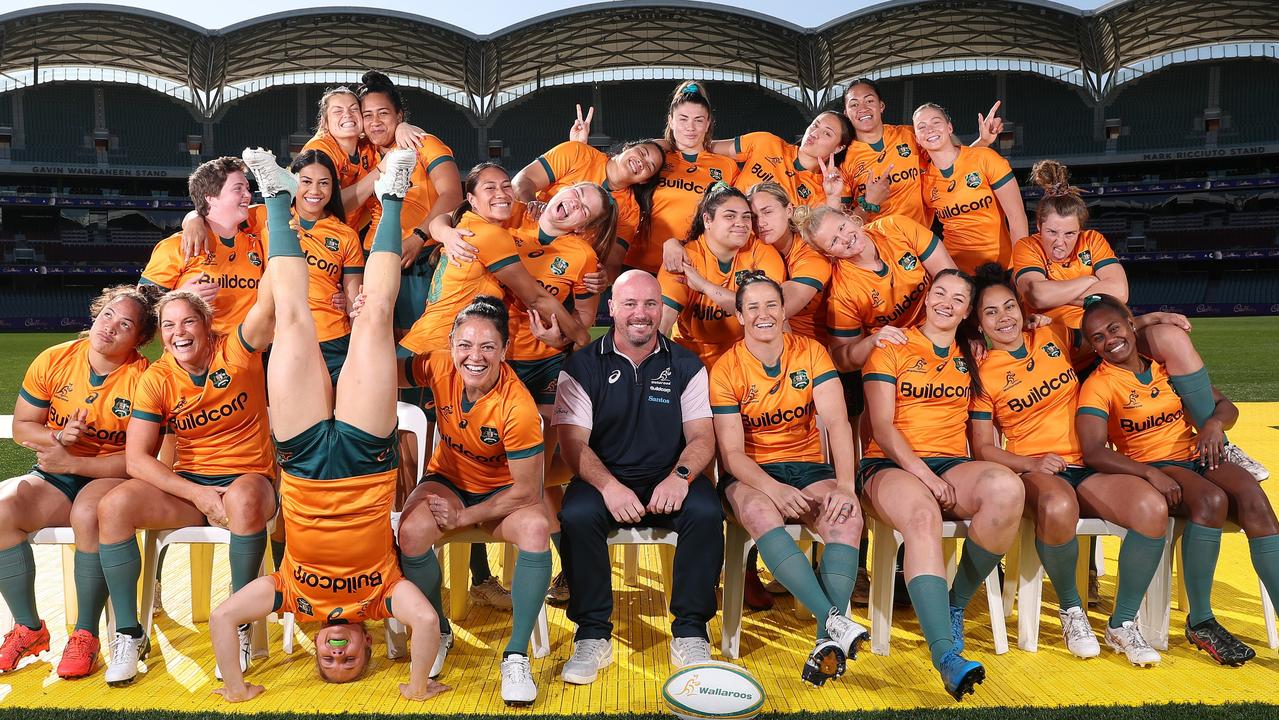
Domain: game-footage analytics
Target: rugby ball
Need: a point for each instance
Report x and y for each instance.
(713, 690)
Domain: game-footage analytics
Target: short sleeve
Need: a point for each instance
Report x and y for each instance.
(751, 143)
(995, 168)
(589, 264)
(881, 365)
(35, 387)
(674, 292)
(564, 160)
(238, 350)
(809, 268)
(723, 394)
(1102, 254)
(496, 248)
(981, 407)
(1093, 398)
(573, 405)
(823, 368)
(695, 402)
(920, 239)
(149, 396)
(842, 316)
(418, 371)
(1027, 259)
(352, 254)
(165, 266)
(770, 261)
(628, 216)
(523, 430)
(433, 153)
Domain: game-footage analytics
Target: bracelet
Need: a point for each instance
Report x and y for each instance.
(420, 233)
(58, 436)
(867, 206)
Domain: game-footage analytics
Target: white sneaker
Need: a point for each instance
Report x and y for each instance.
(847, 632)
(491, 593)
(518, 688)
(1128, 640)
(1236, 455)
(589, 657)
(272, 179)
(446, 643)
(395, 180)
(126, 653)
(1078, 633)
(246, 651)
(689, 651)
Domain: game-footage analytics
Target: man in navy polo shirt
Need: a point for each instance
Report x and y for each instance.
(634, 421)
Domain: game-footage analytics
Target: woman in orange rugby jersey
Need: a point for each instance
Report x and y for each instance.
(973, 192)
(700, 301)
(487, 472)
(1062, 263)
(690, 167)
(1129, 401)
(883, 164)
(923, 387)
(72, 410)
(807, 270)
(1029, 394)
(775, 470)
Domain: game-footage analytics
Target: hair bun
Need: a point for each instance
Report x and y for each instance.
(1090, 300)
(691, 89)
(801, 216)
(374, 80)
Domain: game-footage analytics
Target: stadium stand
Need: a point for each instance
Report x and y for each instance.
(1164, 110)
(147, 128)
(263, 119)
(57, 124)
(537, 122)
(1250, 109)
(446, 121)
(1049, 118)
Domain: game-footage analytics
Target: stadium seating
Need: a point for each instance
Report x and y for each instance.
(1161, 288)
(537, 122)
(1050, 118)
(264, 119)
(58, 122)
(1160, 110)
(1251, 106)
(446, 121)
(962, 94)
(742, 108)
(148, 128)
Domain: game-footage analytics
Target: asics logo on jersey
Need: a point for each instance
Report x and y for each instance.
(677, 183)
(776, 386)
(613, 376)
(1153, 421)
(220, 378)
(930, 391)
(950, 187)
(1042, 390)
(972, 180)
(778, 417)
(121, 407)
(958, 209)
(337, 584)
(1133, 402)
(1154, 393)
(881, 156)
(212, 415)
(231, 257)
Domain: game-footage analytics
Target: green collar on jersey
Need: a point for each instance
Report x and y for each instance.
(941, 352)
(798, 166)
(773, 370)
(1145, 377)
(878, 145)
(689, 158)
(1020, 353)
(947, 172)
(307, 224)
(198, 380)
(229, 242)
(724, 267)
(96, 380)
(544, 237)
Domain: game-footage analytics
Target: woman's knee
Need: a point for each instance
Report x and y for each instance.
(1002, 493)
(1149, 514)
(1209, 507)
(922, 521)
(530, 531)
(1056, 511)
(418, 530)
(117, 510)
(1254, 511)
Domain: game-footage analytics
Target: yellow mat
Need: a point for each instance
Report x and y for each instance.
(774, 644)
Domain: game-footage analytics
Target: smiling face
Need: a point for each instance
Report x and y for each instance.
(573, 208)
(762, 312)
(315, 189)
(231, 204)
(932, 130)
(636, 307)
(771, 217)
(840, 236)
(1058, 235)
(380, 118)
(1001, 318)
(948, 302)
(184, 331)
(478, 352)
(1111, 335)
(342, 652)
(116, 330)
(640, 163)
(688, 123)
(729, 226)
(342, 117)
(492, 198)
(823, 136)
(864, 109)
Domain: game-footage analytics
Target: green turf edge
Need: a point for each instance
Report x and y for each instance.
(1232, 711)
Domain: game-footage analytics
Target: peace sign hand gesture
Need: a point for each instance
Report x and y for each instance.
(989, 126)
(832, 178)
(581, 130)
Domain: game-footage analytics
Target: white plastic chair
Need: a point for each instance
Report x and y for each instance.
(1160, 634)
(884, 542)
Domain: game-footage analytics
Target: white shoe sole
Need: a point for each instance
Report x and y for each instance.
(1120, 651)
(587, 679)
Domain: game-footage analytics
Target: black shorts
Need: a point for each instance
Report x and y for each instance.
(869, 466)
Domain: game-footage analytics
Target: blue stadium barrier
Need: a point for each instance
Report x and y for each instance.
(1210, 309)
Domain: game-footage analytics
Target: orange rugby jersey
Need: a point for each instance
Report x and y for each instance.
(898, 148)
(764, 157)
(477, 440)
(933, 393)
(340, 563)
(779, 419)
(559, 266)
(681, 183)
(454, 285)
(1091, 253)
(61, 381)
(702, 326)
(235, 265)
(220, 418)
(332, 251)
(1144, 417)
(574, 162)
(963, 197)
(806, 266)
(862, 301)
(422, 195)
(1031, 394)
(351, 168)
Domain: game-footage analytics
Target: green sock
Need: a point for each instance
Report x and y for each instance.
(555, 541)
(18, 583)
(1265, 560)
(1059, 563)
(792, 569)
(277, 552)
(282, 240)
(974, 566)
(528, 592)
(1138, 559)
(1195, 391)
(838, 573)
(387, 238)
(1200, 547)
(90, 591)
(928, 595)
(424, 572)
(246, 553)
(121, 566)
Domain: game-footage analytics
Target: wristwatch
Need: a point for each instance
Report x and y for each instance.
(683, 473)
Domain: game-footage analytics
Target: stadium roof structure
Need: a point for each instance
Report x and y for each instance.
(1096, 50)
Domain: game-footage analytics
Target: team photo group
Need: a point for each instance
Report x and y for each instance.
(858, 324)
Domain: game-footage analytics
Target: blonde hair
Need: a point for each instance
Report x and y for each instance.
(1060, 197)
(321, 126)
(197, 303)
(807, 219)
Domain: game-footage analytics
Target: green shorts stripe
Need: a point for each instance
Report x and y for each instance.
(1076, 475)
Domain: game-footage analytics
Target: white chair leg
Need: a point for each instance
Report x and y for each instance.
(1156, 606)
(289, 623)
(883, 573)
(735, 548)
(1268, 610)
(1099, 556)
(150, 556)
(1030, 592)
(541, 635)
(998, 627)
(397, 638)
